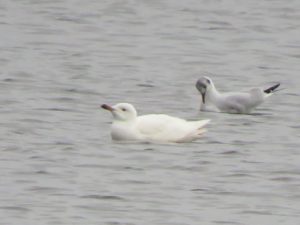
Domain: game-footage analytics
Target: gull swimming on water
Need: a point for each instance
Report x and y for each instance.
(127, 126)
(232, 102)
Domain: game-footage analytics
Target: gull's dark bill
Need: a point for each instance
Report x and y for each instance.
(107, 107)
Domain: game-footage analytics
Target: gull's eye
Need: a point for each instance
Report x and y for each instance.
(123, 109)
(208, 81)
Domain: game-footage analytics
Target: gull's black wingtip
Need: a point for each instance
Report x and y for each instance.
(271, 89)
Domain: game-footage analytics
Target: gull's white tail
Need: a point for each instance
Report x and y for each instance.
(195, 133)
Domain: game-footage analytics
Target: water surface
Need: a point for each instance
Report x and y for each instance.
(61, 59)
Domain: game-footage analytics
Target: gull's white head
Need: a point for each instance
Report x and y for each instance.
(122, 111)
(203, 85)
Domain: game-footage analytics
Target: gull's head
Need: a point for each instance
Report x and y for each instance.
(121, 111)
(204, 84)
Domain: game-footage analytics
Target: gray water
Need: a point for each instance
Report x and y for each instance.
(61, 59)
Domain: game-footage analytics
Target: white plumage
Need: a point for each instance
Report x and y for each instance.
(127, 126)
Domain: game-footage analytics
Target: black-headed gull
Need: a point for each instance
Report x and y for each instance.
(127, 126)
(232, 102)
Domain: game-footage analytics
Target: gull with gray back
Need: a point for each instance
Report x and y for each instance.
(232, 102)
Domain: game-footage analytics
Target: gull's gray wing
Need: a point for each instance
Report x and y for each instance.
(235, 102)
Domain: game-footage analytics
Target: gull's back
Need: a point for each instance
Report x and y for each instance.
(240, 102)
(166, 128)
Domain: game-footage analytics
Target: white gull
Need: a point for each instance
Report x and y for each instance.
(232, 102)
(127, 126)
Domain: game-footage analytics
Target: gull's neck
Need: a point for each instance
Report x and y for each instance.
(127, 122)
(213, 94)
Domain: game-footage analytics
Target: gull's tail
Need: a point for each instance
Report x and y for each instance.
(271, 89)
(196, 132)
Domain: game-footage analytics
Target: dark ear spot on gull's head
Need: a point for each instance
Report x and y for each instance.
(208, 80)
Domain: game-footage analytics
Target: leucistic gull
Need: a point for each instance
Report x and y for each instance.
(127, 126)
(232, 102)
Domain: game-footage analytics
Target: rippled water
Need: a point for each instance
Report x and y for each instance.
(61, 59)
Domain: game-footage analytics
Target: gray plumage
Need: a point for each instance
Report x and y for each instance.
(232, 102)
